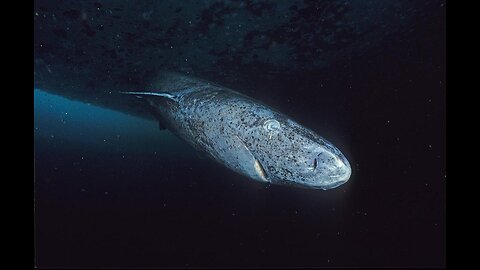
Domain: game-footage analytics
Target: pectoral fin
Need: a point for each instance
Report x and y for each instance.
(260, 171)
(252, 165)
(234, 153)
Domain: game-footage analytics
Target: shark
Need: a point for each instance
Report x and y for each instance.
(243, 134)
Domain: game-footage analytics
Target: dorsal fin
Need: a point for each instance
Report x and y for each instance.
(158, 94)
(153, 106)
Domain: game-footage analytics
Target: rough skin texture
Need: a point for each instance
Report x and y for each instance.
(246, 135)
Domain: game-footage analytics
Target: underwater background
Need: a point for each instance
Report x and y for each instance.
(113, 190)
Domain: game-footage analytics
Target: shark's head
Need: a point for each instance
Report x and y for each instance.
(294, 155)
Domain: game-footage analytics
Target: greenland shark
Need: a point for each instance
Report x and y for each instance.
(90, 50)
(243, 134)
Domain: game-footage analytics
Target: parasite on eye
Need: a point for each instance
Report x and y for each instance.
(271, 125)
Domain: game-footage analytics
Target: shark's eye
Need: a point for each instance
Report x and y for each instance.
(271, 125)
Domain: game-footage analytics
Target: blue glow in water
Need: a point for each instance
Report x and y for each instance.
(61, 120)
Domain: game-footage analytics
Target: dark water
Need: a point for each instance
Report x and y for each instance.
(112, 190)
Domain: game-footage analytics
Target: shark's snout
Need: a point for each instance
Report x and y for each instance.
(339, 171)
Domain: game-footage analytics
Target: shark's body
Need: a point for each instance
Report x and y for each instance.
(243, 134)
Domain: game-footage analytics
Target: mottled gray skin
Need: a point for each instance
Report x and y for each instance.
(245, 135)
